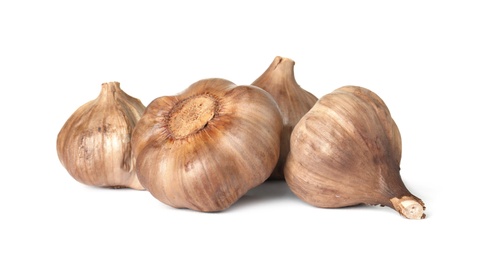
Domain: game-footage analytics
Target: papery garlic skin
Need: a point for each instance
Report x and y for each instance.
(346, 151)
(293, 101)
(206, 147)
(94, 144)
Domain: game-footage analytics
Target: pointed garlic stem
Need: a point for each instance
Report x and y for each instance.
(108, 89)
(409, 207)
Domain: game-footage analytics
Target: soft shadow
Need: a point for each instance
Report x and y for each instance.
(270, 190)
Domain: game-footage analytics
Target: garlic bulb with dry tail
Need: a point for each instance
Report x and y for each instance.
(204, 148)
(293, 101)
(94, 144)
(346, 151)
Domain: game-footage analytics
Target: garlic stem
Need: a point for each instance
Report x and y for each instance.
(108, 90)
(409, 207)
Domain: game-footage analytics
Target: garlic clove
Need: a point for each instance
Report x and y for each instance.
(94, 144)
(206, 147)
(346, 151)
(293, 101)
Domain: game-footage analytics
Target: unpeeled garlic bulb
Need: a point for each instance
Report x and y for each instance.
(94, 144)
(293, 101)
(206, 147)
(346, 151)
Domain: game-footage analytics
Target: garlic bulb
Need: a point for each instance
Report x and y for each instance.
(293, 101)
(94, 144)
(206, 147)
(346, 151)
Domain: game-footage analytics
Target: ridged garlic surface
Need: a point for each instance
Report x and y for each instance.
(206, 147)
(94, 144)
(346, 151)
(292, 99)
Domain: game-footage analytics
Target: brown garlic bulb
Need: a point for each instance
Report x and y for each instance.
(294, 102)
(346, 151)
(206, 147)
(94, 145)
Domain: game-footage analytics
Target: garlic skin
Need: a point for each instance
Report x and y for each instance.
(346, 151)
(293, 101)
(94, 144)
(206, 147)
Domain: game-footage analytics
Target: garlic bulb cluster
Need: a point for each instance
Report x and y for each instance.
(94, 144)
(206, 147)
(293, 101)
(346, 151)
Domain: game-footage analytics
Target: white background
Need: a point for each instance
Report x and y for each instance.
(429, 60)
